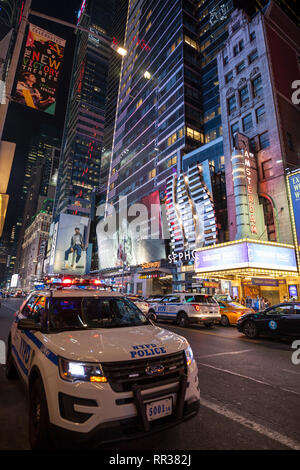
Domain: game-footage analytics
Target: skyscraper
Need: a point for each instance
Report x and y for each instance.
(79, 167)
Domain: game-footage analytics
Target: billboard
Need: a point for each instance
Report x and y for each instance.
(244, 255)
(69, 245)
(294, 193)
(136, 237)
(40, 70)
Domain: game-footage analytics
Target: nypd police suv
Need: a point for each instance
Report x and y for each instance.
(187, 308)
(97, 369)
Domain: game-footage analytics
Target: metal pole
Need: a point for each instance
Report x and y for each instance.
(13, 65)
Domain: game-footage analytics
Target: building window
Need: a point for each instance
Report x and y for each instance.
(241, 45)
(152, 174)
(148, 27)
(267, 169)
(231, 104)
(234, 128)
(253, 56)
(172, 139)
(260, 114)
(253, 145)
(257, 86)
(235, 50)
(244, 95)
(240, 67)
(172, 161)
(252, 36)
(195, 135)
(229, 77)
(225, 60)
(264, 141)
(247, 122)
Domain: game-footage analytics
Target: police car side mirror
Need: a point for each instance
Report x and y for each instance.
(28, 324)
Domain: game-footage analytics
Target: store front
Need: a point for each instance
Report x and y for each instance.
(248, 268)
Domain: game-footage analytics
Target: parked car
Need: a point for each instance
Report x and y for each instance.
(279, 320)
(139, 302)
(231, 312)
(187, 308)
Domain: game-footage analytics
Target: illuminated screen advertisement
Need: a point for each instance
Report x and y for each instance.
(39, 74)
(294, 187)
(68, 252)
(136, 240)
(246, 254)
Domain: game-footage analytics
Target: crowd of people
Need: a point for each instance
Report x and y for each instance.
(258, 303)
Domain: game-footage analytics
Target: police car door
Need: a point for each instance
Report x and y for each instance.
(172, 306)
(161, 308)
(21, 345)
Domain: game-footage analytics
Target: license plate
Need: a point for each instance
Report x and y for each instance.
(159, 409)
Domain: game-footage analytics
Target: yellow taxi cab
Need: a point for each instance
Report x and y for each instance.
(231, 311)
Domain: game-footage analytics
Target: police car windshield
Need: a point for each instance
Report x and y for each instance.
(70, 313)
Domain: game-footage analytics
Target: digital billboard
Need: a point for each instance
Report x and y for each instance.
(39, 74)
(68, 252)
(246, 254)
(135, 236)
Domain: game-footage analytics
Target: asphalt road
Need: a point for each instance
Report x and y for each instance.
(250, 396)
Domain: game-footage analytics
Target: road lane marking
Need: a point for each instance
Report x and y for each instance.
(262, 382)
(223, 353)
(256, 427)
(291, 371)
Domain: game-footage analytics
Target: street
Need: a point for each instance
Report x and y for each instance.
(250, 395)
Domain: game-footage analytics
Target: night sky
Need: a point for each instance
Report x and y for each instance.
(23, 123)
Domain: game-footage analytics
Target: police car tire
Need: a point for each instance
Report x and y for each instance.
(10, 368)
(38, 432)
(182, 320)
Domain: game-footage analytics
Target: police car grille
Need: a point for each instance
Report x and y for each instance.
(123, 375)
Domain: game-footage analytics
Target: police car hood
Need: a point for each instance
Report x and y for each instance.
(115, 344)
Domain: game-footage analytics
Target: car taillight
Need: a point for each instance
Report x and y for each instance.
(196, 307)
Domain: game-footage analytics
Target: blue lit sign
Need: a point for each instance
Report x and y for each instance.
(246, 254)
(294, 184)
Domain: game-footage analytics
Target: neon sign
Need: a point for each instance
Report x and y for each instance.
(81, 11)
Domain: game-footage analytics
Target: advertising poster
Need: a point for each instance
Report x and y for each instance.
(69, 245)
(38, 76)
(136, 240)
(294, 187)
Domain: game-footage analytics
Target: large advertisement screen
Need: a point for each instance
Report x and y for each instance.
(134, 237)
(68, 252)
(246, 254)
(40, 70)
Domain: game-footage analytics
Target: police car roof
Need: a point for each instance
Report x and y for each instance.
(64, 292)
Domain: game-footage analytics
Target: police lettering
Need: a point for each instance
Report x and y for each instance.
(144, 350)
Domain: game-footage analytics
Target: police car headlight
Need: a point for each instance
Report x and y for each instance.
(189, 356)
(73, 371)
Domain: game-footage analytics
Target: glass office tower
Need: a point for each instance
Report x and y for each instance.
(159, 104)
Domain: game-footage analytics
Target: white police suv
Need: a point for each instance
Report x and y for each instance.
(187, 308)
(97, 369)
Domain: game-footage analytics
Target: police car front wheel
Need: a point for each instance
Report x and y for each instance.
(38, 416)
(182, 320)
